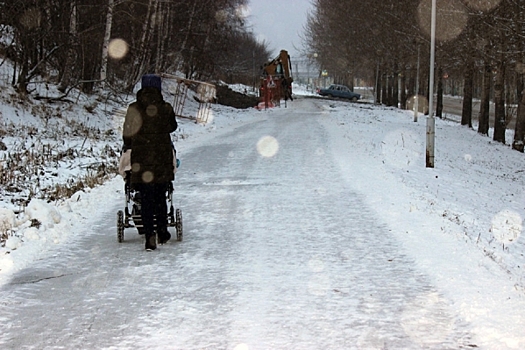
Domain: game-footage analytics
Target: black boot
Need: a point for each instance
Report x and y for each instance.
(151, 242)
(164, 236)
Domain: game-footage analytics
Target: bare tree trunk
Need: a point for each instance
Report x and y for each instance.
(378, 85)
(439, 93)
(466, 113)
(144, 45)
(162, 35)
(384, 80)
(105, 44)
(427, 95)
(395, 86)
(350, 79)
(390, 90)
(153, 24)
(158, 49)
(188, 31)
(483, 127)
(499, 101)
(411, 85)
(519, 131)
(403, 98)
(22, 81)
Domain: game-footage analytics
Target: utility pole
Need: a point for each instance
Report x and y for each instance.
(431, 121)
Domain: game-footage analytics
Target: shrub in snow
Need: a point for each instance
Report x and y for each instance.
(45, 213)
(7, 222)
(31, 233)
(7, 219)
(13, 243)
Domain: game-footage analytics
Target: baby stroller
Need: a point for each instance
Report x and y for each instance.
(131, 217)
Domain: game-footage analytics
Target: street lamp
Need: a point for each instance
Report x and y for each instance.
(324, 74)
(431, 121)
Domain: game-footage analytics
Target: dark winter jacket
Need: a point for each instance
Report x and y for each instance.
(147, 127)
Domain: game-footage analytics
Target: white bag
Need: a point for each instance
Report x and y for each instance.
(125, 163)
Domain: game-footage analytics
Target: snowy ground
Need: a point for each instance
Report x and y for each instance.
(315, 226)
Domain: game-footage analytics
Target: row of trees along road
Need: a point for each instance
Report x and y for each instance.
(480, 46)
(86, 44)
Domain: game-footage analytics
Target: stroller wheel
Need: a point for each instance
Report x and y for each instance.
(120, 226)
(178, 224)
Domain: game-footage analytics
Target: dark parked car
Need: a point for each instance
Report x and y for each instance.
(340, 91)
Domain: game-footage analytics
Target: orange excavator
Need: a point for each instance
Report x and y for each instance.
(276, 81)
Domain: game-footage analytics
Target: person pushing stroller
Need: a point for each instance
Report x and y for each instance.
(148, 124)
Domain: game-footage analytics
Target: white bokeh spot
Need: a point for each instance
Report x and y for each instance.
(268, 146)
(316, 265)
(118, 48)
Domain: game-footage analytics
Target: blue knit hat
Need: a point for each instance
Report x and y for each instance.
(151, 80)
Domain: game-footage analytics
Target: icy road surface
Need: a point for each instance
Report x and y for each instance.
(274, 257)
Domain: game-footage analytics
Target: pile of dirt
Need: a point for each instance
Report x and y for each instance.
(228, 97)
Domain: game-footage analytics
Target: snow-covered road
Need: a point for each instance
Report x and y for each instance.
(274, 257)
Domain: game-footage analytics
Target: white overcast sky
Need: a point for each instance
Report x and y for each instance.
(279, 22)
